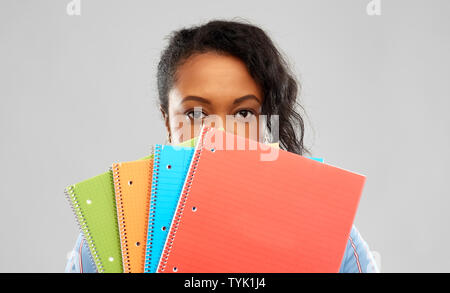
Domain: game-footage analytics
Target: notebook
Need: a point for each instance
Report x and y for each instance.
(238, 214)
(93, 202)
(132, 185)
(170, 167)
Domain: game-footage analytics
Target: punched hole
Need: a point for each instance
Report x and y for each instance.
(213, 150)
(175, 269)
(138, 243)
(130, 182)
(169, 167)
(111, 258)
(194, 209)
(88, 201)
(163, 228)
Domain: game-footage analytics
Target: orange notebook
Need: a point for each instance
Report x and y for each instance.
(239, 214)
(132, 185)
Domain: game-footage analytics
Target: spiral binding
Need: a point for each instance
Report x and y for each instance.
(149, 185)
(184, 195)
(121, 219)
(81, 221)
(151, 217)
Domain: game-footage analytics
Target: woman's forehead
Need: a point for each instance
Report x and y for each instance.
(213, 75)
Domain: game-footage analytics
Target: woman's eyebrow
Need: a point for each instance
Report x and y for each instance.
(246, 97)
(195, 98)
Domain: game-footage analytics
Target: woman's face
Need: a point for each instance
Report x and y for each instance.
(215, 90)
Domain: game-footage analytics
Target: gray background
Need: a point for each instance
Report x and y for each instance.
(78, 93)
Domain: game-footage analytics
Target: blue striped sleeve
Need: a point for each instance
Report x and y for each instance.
(357, 257)
(80, 259)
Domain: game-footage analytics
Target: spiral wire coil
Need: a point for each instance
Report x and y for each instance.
(82, 224)
(153, 199)
(121, 219)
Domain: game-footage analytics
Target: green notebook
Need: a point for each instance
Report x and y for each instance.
(93, 202)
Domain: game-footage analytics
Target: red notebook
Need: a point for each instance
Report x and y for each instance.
(239, 214)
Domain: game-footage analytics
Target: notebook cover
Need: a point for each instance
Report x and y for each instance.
(93, 202)
(170, 167)
(132, 185)
(238, 214)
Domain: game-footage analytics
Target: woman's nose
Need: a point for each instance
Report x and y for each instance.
(216, 121)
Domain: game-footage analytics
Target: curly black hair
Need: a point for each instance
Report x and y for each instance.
(264, 62)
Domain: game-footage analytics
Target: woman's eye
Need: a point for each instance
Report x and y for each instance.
(196, 115)
(244, 114)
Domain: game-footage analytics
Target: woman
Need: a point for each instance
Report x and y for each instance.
(222, 71)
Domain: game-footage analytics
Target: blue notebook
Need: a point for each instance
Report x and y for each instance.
(317, 159)
(170, 167)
